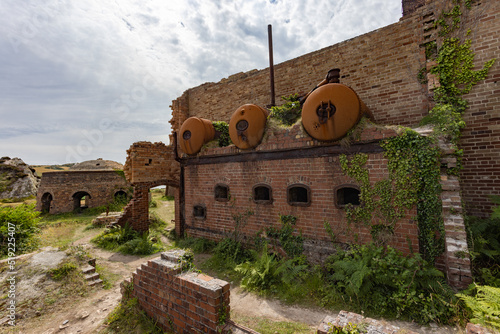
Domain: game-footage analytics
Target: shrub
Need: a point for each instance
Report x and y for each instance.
(223, 129)
(230, 250)
(19, 225)
(127, 241)
(382, 281)
(293, 245)
(62, 271)
(484, 247)
(288, 113)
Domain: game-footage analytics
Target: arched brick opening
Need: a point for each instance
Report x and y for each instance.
(136, 213)
(46, 201)
(120, 195)
(81, 200)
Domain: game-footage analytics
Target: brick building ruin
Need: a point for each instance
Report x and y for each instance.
(86, 185)
(290, 172)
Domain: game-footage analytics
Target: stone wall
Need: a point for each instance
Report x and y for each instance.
(180, 301)
(382, 67)
(65, 188)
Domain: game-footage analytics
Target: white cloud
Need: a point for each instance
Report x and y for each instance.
(69, 66)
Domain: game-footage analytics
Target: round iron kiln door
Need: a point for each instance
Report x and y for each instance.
(194, 133)
(331, 111)
(247, 125)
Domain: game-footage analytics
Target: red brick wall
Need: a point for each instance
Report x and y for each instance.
(148, 165)
(321, 175)
(180, 302)
(100, 185)
(382, 66)
(481, 138)
(148, 162)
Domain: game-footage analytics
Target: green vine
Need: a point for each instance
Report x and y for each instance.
(186, 261)
(455, 69)
(223, 316)
(414, 171)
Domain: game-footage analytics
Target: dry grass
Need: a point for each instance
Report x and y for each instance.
(165, 209)
(48, 168)
(62, 234)
(268, 326)
(14, 204)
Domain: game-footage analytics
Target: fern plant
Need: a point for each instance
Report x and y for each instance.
(485, 306)
(381, 280)
(261, 274)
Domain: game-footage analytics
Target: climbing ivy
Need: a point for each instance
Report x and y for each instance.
(455, 69)
(413, 163)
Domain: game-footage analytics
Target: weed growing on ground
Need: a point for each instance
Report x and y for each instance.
(127, 241)
(197, 245)
(129, 317)
(62, 271)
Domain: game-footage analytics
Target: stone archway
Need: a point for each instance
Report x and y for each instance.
(81, 200)
(136, 213)
(46, 202)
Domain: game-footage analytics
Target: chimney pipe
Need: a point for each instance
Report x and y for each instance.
(271, 65)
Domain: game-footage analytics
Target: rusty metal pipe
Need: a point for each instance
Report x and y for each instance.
(271, 63)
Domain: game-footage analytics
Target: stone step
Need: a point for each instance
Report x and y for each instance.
(88, 270)
(92, 277)
(96, 282)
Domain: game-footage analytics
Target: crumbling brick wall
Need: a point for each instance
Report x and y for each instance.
(148, 165)
(180, 302)
(62, 186)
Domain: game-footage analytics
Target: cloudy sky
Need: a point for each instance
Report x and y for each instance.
(81, 80)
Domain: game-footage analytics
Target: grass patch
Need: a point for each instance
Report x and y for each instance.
(129, 318)
(62, 234)
(165, 207)
(197, 245)
(127, 241)
(376, 280)
(62, 271)
(108, 277)
(267, 326)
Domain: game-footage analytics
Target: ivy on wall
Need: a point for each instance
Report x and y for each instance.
(414, 171)
(455, 69)
(413, 160)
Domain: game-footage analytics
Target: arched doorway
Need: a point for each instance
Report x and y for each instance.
(46, 201)
(81, 200)
(121, 196)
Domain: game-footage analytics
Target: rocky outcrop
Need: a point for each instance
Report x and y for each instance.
(17, 179)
